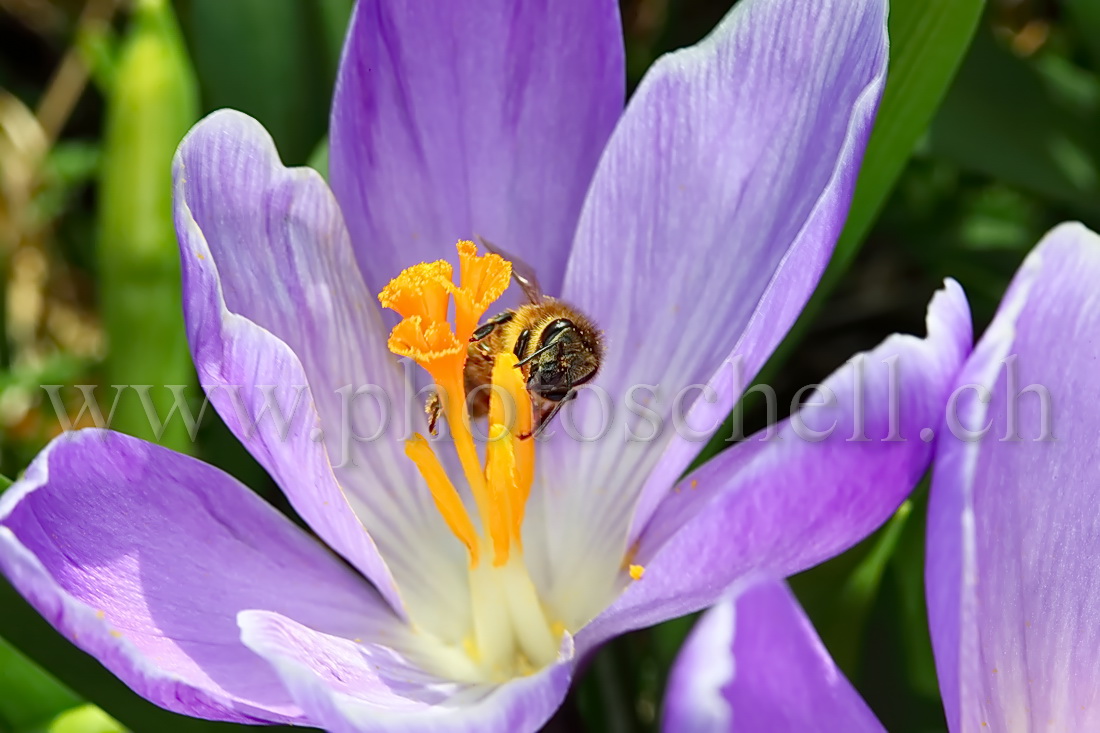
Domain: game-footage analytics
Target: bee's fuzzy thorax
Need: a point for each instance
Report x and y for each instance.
(558, 348)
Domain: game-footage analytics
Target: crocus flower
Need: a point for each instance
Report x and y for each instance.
(1013, 545)
(691, 226)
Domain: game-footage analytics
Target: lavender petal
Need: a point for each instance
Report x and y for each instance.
(460, 119)
(143, 558)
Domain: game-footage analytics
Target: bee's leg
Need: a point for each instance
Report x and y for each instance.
(483, 331)
(434, 408)
(544, 417)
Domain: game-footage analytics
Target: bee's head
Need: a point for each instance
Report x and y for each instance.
(567, 355)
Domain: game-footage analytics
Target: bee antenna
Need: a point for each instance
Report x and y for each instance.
(543, 350)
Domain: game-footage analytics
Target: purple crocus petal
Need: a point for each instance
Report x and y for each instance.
(456, 119)
(710, 219)
(755, 663)
(785, 500)
(346, 687)
(1013, 571)
(143, 558)
(274, 303)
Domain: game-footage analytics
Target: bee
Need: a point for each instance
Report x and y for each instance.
(558, 347)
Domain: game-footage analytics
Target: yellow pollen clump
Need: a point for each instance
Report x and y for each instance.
(421, 295)
(636, 572)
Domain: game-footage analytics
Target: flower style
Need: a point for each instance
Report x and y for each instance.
(1013, 545)
(691, 226)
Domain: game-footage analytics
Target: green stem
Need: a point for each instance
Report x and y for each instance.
(151, 105)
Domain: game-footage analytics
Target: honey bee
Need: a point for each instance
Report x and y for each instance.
(558, 347)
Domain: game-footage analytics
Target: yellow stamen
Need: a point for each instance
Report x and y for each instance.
(446, 498)
(500, 475)
(636, 572)
(510, 417)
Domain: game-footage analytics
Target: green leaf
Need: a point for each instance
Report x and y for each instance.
(273, 59)
(907, 573)
(1085, 17)
(928, 39)
(332, 21)
(318, 159)
(839, 594)
(1023, 122)
(604, 694)
(897, 672)
(85, 719)
(30, 695)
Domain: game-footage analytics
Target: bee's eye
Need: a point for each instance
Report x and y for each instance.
(555, 329)
(584, 378)
(521, 343)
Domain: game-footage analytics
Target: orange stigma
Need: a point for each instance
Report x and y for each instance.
(422, 295)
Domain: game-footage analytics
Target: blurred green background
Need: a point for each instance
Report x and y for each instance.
(989, 134)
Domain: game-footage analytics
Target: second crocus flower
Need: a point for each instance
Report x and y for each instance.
(1013, 544)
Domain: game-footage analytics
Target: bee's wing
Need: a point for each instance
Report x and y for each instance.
(522, 273)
